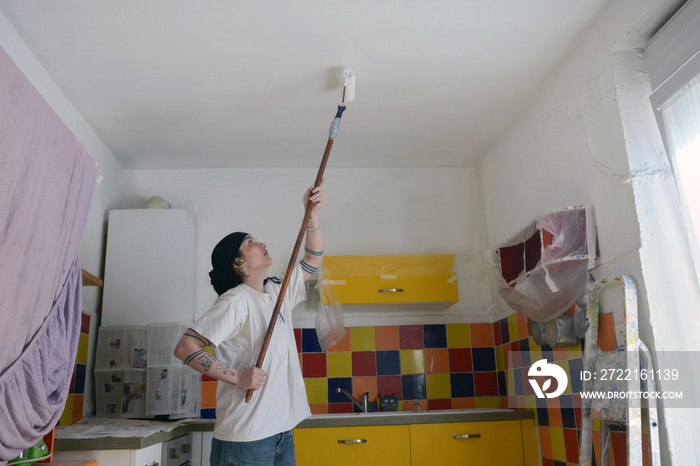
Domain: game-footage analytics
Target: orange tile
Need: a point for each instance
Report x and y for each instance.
(437, 360)
(545, 442)
(523, 328)
(386, 338)
(319, 408)
(560, 354)
(482, 335)
(208, 394)
(344, 344)
(77, 408)
(596, 445)
(606, 332)
(362, 385)
(463, 403)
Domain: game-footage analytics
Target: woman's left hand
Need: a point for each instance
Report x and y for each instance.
(314, 195)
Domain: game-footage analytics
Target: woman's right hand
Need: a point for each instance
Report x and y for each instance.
(251, 378)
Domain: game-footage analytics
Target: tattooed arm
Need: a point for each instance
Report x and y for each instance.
(190, 350)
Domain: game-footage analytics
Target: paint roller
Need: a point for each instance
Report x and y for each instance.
(348, 96)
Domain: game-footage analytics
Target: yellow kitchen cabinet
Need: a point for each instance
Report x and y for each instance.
(467, 443)
(339, 446)
(417, 278)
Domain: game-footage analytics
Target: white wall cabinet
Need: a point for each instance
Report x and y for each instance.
(149, 267)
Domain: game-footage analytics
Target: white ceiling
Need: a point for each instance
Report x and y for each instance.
(224, 83)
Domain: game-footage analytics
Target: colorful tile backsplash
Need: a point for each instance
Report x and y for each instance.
(73, 410)
(448, 366)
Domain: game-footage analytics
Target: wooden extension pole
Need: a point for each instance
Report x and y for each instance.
(295, 252)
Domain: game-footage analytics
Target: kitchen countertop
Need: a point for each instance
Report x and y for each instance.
(316, 420)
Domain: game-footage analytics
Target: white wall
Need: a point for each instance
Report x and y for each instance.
(365, 211)
(580, 141)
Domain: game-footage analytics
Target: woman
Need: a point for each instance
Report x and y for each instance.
(258, 432)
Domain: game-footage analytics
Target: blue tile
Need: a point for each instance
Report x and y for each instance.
(79, 382)
(388, 363)
(505, 333)
(309, 341)
(518, 382)
(339, 382)
(484, 359)
(542, 417)
(502, 385)
(208, 413)
(568, 418)
(413, 387)
(462, 384)
(575, 369)
(435, 336)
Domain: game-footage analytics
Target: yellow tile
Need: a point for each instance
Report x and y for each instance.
(82, 349)
(362, 338)
(438, 386)
(530, 402)
(339, 364)
(67, 415)
(209, 350)
(488, 402)
(574, 351)
(535, 351)
(317, 390)
(500, 362)
(513, 327)
(412, 362)
(558, 446)
(458, 336)
(510, 382)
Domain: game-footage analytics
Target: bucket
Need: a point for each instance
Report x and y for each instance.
(560, 332)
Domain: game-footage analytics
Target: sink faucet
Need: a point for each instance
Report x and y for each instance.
(361, 406)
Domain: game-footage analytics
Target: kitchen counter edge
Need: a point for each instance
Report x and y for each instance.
(347, 420)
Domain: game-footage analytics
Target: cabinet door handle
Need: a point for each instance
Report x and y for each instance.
(390, 290)
(355, 440)
(464, 436)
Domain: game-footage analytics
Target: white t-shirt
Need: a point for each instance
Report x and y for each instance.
(236, 324)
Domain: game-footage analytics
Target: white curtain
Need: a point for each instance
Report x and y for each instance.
(681, 117)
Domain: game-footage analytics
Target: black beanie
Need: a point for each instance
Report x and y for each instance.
(223, 278)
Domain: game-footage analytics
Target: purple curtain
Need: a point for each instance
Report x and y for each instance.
(46, 183)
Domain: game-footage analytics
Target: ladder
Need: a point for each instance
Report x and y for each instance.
(621, 411)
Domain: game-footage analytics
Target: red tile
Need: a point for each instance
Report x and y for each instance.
(571, 445)
(618, 441)
(411, 337)
(364, 363)
(297, 337)
(206, 378)
(389, 385)
(485, 384)
(497, 333)
(85, 324)
(314, 365)
(439, 404)
(336, 408)
(460, 359)
(547, 462)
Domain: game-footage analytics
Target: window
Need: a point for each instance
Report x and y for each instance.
(673, 57)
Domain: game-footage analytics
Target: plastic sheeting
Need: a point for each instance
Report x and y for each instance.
(543, 269)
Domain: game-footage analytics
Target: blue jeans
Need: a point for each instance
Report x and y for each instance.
(277, 450)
